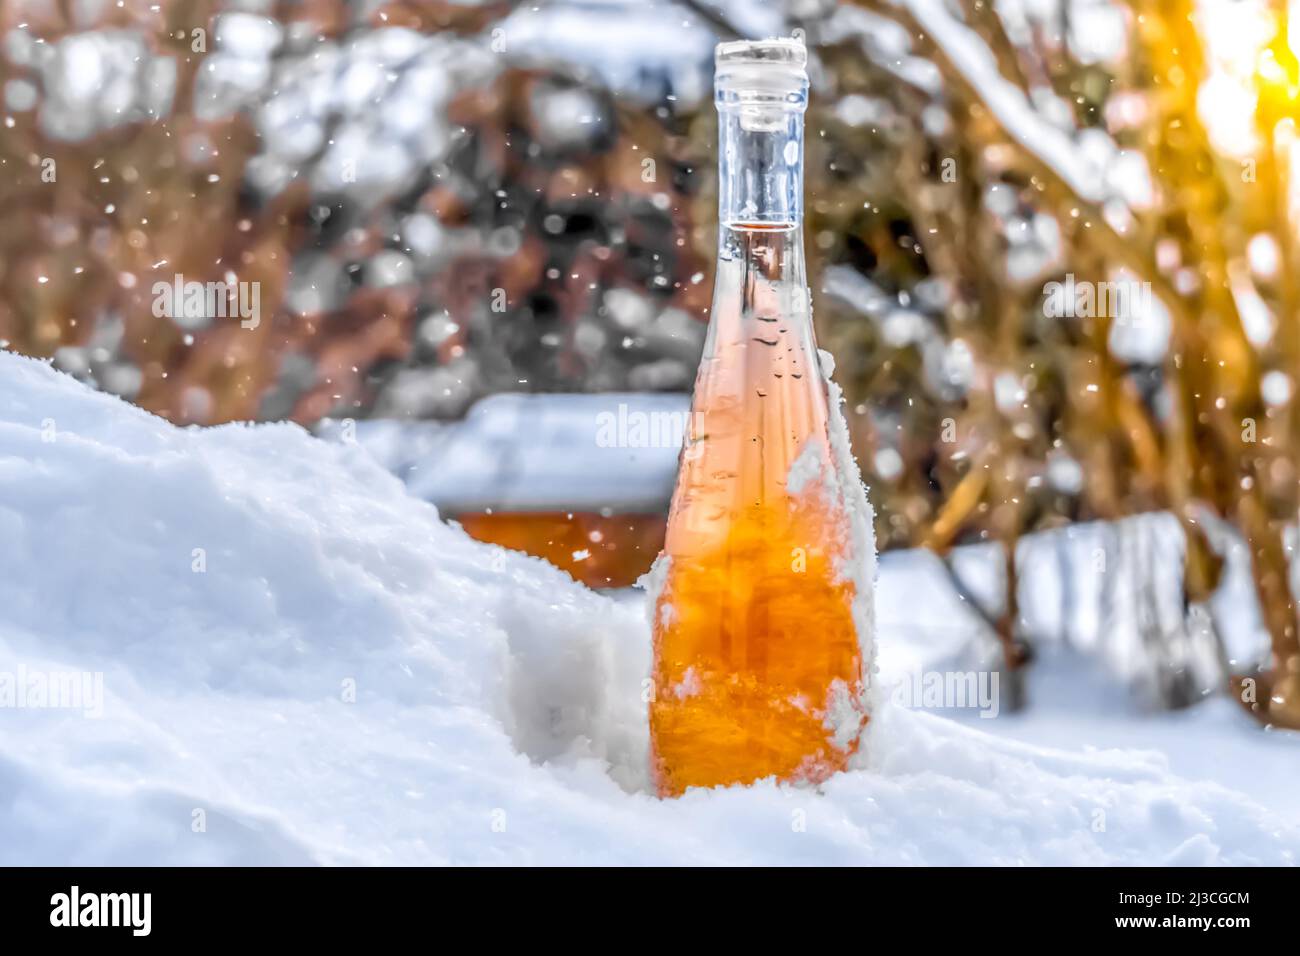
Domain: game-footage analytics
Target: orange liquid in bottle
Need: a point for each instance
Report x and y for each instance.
(758, 669)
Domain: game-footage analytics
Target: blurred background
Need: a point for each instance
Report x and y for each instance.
(1052, 246)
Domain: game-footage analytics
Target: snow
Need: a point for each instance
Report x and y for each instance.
(301, 663)
(383, 93)
(544, 452)
(1037, 133)
(852, 493)
(97, 80)
(643, 50)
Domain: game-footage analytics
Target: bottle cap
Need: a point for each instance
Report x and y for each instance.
(762, 69)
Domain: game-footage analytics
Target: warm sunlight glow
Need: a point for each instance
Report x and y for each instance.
(1235, 36)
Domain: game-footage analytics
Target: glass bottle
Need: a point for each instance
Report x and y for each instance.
(758, 667)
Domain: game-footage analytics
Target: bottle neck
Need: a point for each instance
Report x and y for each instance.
(760, 160)
(761, 276)
(761, 283)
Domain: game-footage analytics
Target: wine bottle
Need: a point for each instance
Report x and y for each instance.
(758, 610)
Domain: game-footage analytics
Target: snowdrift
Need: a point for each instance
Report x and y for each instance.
(301, 663)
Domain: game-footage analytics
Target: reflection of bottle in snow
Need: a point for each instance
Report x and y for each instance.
(763, 604)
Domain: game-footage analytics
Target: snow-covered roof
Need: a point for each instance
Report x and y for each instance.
(513, 452)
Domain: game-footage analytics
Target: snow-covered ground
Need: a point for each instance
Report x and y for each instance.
(301, 663)
(1081, 695)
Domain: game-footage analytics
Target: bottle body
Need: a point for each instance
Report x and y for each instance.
(758, 667)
